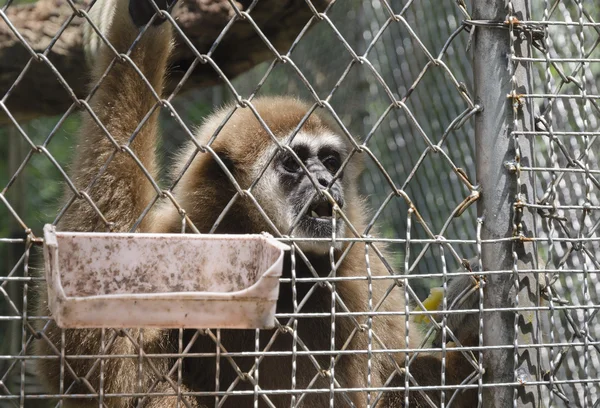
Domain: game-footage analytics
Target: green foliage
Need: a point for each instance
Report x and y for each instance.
(36, 183)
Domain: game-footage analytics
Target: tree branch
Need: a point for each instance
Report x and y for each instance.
(34, 90)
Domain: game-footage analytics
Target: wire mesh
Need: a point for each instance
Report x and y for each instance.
(565, 62)
(397, 78)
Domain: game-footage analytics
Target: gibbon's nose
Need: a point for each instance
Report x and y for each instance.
(323, 179)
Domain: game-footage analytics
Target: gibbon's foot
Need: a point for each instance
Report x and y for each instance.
(141, 11)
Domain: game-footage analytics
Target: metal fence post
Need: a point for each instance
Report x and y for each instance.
(499, 155)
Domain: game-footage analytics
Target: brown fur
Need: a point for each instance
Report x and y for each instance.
(122, 193)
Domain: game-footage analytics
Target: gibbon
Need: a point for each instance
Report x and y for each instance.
(121, 192)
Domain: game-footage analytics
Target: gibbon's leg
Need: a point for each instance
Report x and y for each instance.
(120, 194)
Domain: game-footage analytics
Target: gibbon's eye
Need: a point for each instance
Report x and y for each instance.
(332, 163)
(290, 164)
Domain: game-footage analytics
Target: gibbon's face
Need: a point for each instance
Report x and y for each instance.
(302, 210)
(283, 190)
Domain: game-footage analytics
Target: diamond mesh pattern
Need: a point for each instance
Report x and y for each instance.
(566, 169)
(396, 78)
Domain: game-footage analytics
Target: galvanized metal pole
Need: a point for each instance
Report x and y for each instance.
(498, 79)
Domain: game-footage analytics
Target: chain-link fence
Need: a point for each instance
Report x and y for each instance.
(564, 60)
(477, 125)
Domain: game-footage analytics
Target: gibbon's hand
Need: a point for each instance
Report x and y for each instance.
(141, 11)
(462, 294)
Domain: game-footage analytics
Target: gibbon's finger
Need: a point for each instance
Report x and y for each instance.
(141, 11)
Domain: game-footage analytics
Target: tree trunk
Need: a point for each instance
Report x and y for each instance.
(30, 88)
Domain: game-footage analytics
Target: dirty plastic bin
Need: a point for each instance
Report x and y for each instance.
(162, 280)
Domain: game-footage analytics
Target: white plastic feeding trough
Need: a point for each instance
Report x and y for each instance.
(162, 280)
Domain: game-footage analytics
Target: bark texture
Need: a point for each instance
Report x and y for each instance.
(34, 89)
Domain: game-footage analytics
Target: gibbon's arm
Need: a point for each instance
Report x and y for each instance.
(120, 103)
(120, 193)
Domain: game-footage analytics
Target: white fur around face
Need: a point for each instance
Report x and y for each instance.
(270, 194)
(316, 142)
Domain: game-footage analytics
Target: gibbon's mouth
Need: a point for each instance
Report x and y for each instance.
(320, 210)
(318, 221)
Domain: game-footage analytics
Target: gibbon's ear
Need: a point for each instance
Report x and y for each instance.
(227, 160)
